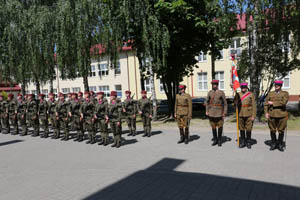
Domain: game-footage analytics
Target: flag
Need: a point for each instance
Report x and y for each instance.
(234, 75)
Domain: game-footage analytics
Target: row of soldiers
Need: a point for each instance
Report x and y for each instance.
(80, 112)
(216, 110)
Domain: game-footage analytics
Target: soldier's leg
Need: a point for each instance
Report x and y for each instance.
(212, 122)
(8, 125)
(128, 121)
(16, 125)
(148, 122)
(0, 122)
(181, 131)
(186, 131)
(81, 131)
(57, 129)
(118, 134)
(102, 131)
(42, 124)
(24, 126)
(113, 129)
(242, 132)
(93, 132)
(272, 127)
(281, 128)
(88, 128)
(220, 131)
(249, 126)
(133, 127)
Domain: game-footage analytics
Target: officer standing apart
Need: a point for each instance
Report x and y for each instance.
(183, 113)
(21, 114)
(101, 118)
(115, 115)
(276, 114)
(145, 109)
(130, 110)
(43, 115)
(245, 101)
(216, 110)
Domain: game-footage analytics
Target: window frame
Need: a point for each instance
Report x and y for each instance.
(203, 81)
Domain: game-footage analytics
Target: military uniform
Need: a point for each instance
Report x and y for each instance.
(183, 112)
(145, 107)
(21, 114)
(43, 116)
(4, 115)
(101, 114)
(87, 111)
(75, 119)
(52, 114)
(278, 115)
(32, 113)
(247, 110)
(2, 112)
(216, 109)
(115, 114)
(130, 110)
(62, 119)
(12, 114)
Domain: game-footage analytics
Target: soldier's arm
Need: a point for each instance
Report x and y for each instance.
(119, 111)
(134, 107)
(151, 107)
(253, 106)
(190, 107)
(225, 103)
(139, 106)
(175, 107)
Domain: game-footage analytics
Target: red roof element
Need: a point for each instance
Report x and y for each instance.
(7, 89)
(99, 49)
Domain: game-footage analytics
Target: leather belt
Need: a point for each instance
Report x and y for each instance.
(182, 106)
(218, 105)
(246, 105)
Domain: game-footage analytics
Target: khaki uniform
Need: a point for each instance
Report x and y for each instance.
(146, 108)
(43, 117)
(277, 111)
(11, 110)
(247, 109)
(130, 114)
(183, 110)
(216, 106)
(21, 113)
(115, 117)
(101, 112)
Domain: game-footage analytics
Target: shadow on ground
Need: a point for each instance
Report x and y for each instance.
(160, 181)
(10, 142)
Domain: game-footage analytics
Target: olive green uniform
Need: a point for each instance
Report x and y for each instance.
(3, 114)
(87, 109)
(130, 107)
(247, 109)
(115, 115)
(183, 111)
(43, 117)
(12, 114)
(32, 113)
(101, 112)
(21, 114)
(62, 120)
(52, 115)
(146, 108)
(216, 107)
(75, 119)
(278, 115)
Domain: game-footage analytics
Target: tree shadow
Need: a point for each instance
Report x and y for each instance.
(10, 142)
(161, 181)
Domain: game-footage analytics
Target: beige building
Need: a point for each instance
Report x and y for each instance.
(126, 76)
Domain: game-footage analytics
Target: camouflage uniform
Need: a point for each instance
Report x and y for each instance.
(2, 112)
(52, 115)
(87, 111)
(101, 116)
(32, 113)
(43, 117)
(62, 119)
(130, 108)
(21, 113)
(115, 115)
(11, 110)
(145, 107)
(4, 115)
(75, 119)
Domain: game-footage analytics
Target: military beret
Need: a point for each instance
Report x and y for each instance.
(41, 95)
(50, 94)
(86, 92)
(20, 95)
(127, 92)
(181, 87)
(10, 95)
(60, 94)
(92, 92)
(100, 93)
(215, 81)
(278, 82)
(80, 93)
(143, 92)
(113, 93)
(74, 94)
(244, 84)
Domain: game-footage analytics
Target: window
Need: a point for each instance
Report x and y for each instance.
(93, 71)
(220, 77)
(103, 70)
(118, 68)
(148, 86)
(202, 81)
(202, 57)
(45, 92)
(118, 88)
(33, 92)
(54, 91)
(105, 89)
(93, 88)
(65, 90)
(235, 47)
(76, 89)
(221, 55)
(27, 92)
(161, 87)
(286, 81)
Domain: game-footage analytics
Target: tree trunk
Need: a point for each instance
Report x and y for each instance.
(51, 85)
(170, 88)
(85, 83)
(38, 87)
(152, 85)
(213, 63)
(23, 87)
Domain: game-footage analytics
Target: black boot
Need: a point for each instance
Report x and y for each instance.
(248, 139)
(93, 140)
(130, 132)
(273, 144)
(114, 144)
(186, 136)
(215, 139)
(90, 140)
(280, 142)
(220, 131)
(66, 137)
(101, 142)
(181, 140)
(77, 138)
(80, 138)
(242, 142)
(145, 132)
(133, 133)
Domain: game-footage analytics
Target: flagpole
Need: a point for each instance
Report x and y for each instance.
(236, 104)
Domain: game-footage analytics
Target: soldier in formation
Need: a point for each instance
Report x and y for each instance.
(21, 114)
(130, 110)
(145, 109)
(114, 116)
(101, 117)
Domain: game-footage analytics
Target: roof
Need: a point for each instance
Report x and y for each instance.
(8, 89)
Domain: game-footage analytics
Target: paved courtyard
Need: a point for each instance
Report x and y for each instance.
(149, 168)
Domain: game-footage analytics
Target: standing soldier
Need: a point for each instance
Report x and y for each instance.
(92, 97)
(183, 113)
(74, 114)
(21, 114)
(52, 115)
(32, 113)
(216, 110)
(115, 114)
(276, 114)
(2, 112)
(12, 114)
(101, 117)
(130, 110)
(80, 97)
(245, 101)
(43, 115)
(145, 110)
(61, 112)
(87, 116)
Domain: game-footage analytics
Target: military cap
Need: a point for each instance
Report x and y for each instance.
(80, 93)
(100, 93)
(113, 93)
(74, 94)
(10, 95)
(87, 92)
(181, 87)
(51, 94)
(20, 95)
(127, 92)
(244, 85)
(143, 92)
(215, 81)
(60, 94)
(41, 95)
(278, 82)
(92, 92)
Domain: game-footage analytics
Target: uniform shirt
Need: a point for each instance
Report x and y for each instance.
(12, 107)
(87, 108)
(115, 110)
(21, 107)
(101, 109)
(183, 105)
(247, 107)
(43, 107)
(62, 108)
(32, 107)
(216, 104)
(75, 107)
(130, 106)
(145, 106)
(279, 99)
(51, 106)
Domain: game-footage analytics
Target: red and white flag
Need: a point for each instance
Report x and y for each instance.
(234, 75)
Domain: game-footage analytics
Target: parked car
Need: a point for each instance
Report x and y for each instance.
(198, 103)
(162, 107)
